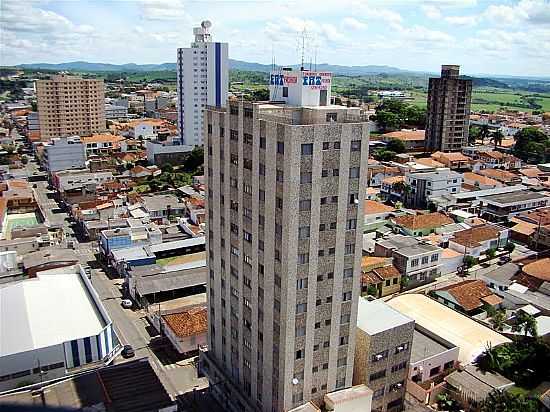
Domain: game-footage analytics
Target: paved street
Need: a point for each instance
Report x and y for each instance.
(132, 328)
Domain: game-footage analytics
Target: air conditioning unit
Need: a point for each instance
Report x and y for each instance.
(378, 357)
(400, 348)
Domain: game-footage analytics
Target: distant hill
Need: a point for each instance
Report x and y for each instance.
(233, 64)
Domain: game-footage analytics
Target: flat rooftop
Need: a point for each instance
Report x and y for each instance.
(424, 346)
(45, 311)
(514, 197)
(471, 337)
(377, 316)
(418, 249)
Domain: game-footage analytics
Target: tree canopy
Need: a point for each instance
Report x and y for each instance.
(396, 146)
(532, 145)
(505, 401)
(394, 114)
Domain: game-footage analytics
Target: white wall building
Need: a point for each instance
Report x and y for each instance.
(64, 154)
(52, 324)
(315, 90)
(113, 112)
(202, 79)
(426, 185)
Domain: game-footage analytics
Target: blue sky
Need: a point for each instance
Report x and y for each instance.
(484, 36)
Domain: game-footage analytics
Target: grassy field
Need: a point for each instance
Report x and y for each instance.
(494, 99)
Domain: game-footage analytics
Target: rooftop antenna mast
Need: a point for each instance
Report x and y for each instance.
(303, 47)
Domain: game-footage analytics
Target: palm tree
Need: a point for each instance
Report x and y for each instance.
(484, 133)
(497, 138)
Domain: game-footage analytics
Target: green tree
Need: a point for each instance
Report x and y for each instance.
(372, 291)
(473, 134)
(532, 145)
(484, 133)
(387, 121)
(404, 282)
(498, 320)
(502, 401)
(194, 161)
(470, 261)
(396, 146)
(383, 155)
(491, 253)
(510, 247)
(526, 323)
(497, 138)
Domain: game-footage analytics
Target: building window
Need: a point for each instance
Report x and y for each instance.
(354, 172)
(301, 283)
(351, 224)
(377, 375)
(435, 257)
(414, 262)
(349, 249)
(303, 232)
(344, 340)
(307, 149)
(380, 356)
(279, 176)
(247, 236)
(326, 145)
(331, 117)
(401, 348)
(300, 354)
(399, 366)
(355, 145)
(345, 318)
(281, 147)
(346, 296)
(305, 177)
(425, 259)
(305, 205)
(337, 145)
(303, 258)
(233, 135)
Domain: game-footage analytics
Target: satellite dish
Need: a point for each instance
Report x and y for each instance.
(206, 24)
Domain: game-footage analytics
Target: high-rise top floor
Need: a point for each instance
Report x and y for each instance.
(295, 115)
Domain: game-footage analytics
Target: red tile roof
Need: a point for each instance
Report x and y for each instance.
(188, 322)
(473, 236)
(470, 294)
(373, 207)
(539, 269)
(427, 221)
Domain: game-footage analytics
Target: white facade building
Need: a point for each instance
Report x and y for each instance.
(427, 185)
(50, 326)
(315, 90)
(202, 79)
(64, 154)
(113, 112)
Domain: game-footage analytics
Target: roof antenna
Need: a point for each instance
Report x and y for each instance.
(303, 47)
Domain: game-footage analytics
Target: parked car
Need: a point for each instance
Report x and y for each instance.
(128, 352)
(127, 303)
(505, 259)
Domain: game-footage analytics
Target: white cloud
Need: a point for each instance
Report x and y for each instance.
(162, 9)
(422, 34)
(353, 23)
(462, 20)
(525, 11)
(431, 11)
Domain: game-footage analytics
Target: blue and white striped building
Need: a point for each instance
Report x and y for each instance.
(53, 325)
(202, 79)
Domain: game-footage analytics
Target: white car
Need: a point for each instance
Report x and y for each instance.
(127, 303)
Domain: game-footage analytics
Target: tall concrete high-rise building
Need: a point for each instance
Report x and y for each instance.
(70, 105)
(286, 181)
(449, 99)
(202, 79)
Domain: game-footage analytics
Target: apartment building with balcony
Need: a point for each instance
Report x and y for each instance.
(69, 106)
(449, 99)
